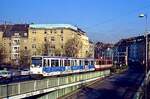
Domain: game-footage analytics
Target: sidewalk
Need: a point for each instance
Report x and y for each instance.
(118, 86)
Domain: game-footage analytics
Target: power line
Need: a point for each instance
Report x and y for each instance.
(114, 19)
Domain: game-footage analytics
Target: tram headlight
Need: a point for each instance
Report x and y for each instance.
(32, 65)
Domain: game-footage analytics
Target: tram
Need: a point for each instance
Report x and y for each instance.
(50, 66)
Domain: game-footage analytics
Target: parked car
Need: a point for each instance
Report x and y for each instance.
(5, 74)
(25, 72)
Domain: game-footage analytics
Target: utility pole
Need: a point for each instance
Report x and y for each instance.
(146, 51)
(126, 55)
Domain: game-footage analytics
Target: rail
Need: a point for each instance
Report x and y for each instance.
(140, 92)
(35, 87)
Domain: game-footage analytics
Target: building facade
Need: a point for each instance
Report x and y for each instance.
(132, 51)
(13, 39)
(102, 50)
(53, 37)
(120, 53)
(91, 49)
(40, 39)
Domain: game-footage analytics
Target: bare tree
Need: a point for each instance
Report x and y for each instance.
(25, 57)
(46, 48)
(72, 47)
(2, 54)
(40, 50)
(58, 52)
(89, 54)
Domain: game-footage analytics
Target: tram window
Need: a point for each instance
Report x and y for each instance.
(44, 62)
(86, 62)
(80, 62)
(61, 63)
(72, 62)
(97, 62)
(67, 62)
(92, 62)
(109, 62)
(75, 62)
(37, 61)
(48, 62)
(103, 62)
(54, 63)
(100, 62)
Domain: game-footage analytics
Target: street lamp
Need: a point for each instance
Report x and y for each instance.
(146, 58)
(146, 51)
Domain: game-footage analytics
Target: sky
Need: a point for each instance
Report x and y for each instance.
(102, 20)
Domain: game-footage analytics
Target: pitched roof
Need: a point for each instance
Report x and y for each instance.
(51, 26)
(9, 30)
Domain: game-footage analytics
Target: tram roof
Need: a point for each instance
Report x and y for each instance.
(61, 57)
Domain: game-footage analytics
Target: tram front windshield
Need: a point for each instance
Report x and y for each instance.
(37, 61)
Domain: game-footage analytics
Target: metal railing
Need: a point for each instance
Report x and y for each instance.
(13, 89)
(140, 92)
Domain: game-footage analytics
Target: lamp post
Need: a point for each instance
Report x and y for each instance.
(146, 51)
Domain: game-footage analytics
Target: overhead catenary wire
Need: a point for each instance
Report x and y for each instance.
(116, 18)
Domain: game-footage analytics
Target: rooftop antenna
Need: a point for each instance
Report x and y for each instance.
(5, 26)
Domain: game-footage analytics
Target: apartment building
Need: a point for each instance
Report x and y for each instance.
(54, 37)
(40, 39)
(132, 50)
(13, 39)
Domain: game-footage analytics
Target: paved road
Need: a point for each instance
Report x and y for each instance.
(148, 91)
(120, 86)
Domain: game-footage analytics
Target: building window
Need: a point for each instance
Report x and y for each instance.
(62, 31)
(45, 32)
(34, 32)
(15, 48)
(25, 48)
(53, 46)
(62, 39)
(15, 55)
(25, 34)
(51, 31)
(52, 39)
(16, 42)
(33, 45)
(55, 31)
(62, 46)
(45, 39)
(34, 39)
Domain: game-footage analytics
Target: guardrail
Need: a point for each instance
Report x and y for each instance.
(34, 87)
(140, 92)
